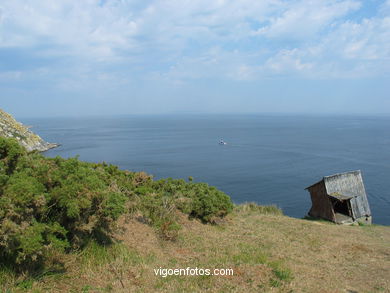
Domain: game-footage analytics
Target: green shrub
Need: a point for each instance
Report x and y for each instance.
(160, 213)
(199, 200)
(10, 152)
(48, 204)
(28, 243)
(209, 203)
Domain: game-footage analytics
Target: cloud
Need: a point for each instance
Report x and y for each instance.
(183, 40)
(304, 19)
(385, 8)
(7, 76)
(78, 28)
(287, 61)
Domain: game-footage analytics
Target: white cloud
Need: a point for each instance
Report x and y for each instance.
(304, 19)
(287, 61)
(368, 40)
(386, 6)
(353, 50)
(78, 27)
(189, 39)
(7, 76)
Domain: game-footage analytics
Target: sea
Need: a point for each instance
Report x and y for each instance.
(267, 159)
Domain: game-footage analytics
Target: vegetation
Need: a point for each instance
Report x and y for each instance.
(52, 205)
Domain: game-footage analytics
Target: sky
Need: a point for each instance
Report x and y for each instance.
(96, 57)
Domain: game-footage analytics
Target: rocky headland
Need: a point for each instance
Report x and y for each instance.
(9, 127)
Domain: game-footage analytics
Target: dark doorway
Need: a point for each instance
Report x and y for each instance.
(341, 207)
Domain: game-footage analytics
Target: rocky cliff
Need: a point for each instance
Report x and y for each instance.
(9, 127)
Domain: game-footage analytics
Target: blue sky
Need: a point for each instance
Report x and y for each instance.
(63, 57)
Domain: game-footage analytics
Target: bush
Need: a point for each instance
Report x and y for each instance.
(30, 243)
(52, 204)
(160, 212)
(208, 203)
(199, 200)
(10, 152)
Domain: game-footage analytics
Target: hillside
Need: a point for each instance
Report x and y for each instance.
(268, 253)
(73, 226)
(11, 128)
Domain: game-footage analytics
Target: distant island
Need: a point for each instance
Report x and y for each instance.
(11, 128)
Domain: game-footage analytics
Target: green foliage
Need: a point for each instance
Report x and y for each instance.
(160, 212)
(56, 204)
(10, 151)
(209, 203)
(199, 200)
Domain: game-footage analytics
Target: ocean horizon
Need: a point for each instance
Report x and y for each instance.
(268, 158)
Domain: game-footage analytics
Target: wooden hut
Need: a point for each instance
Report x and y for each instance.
(340, 198)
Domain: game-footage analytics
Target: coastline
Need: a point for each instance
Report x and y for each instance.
(11, 128)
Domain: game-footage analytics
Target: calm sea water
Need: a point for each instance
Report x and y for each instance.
(269, 159)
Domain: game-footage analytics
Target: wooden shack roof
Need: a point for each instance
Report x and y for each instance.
(347, 184)
(331, 179)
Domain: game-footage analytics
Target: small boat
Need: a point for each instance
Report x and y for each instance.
(221, 142)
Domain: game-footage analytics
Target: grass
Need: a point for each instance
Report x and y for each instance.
(251, 207)
(283, 274)
(268, 252)
(95, 255)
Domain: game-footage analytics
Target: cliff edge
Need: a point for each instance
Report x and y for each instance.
(9, 127)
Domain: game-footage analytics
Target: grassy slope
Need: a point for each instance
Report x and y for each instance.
(269, 253)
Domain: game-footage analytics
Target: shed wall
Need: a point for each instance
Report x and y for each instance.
(321, 205)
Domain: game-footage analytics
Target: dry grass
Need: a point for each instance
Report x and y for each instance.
(268, 252)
